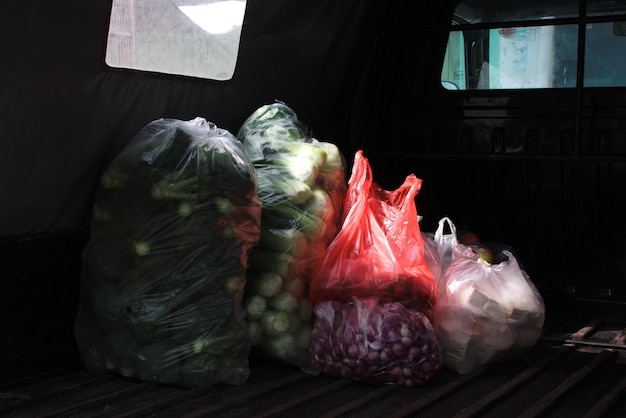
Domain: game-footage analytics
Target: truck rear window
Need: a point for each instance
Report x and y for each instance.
(530, 44)
(198, 38)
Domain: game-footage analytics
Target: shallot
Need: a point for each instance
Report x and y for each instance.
(374, 342)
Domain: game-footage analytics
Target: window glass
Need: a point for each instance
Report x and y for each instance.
(533, 55)
(514, 58)
(526, 57)
(198, 38)
(453, 73)
(605, 56)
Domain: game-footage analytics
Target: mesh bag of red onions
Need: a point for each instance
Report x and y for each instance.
(374, 342)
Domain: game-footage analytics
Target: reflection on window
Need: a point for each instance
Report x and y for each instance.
(605, 55)
(534, 56)
(453, 73)
(521, 58)
(198, 38)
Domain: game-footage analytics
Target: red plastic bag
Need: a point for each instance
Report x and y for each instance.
(379, 250)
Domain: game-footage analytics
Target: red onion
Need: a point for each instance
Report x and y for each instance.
(374, 342)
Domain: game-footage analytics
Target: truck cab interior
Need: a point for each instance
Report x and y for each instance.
(513, 114)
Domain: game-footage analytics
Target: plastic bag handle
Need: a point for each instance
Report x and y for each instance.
(439, 232)
(445, 242)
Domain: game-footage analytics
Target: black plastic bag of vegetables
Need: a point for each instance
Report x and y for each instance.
(302, 184)
(376, 342)
(175, 218)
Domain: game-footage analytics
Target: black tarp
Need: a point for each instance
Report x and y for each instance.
(64, 114)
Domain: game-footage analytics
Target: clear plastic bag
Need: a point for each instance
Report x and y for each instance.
(445, 241)
(302, 184)
(438, 249)
(486, 313)
(164, 270)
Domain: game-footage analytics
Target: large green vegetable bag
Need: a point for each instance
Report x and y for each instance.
(302, 184)
(175, 218)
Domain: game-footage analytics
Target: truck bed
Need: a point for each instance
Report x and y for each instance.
(576, 369)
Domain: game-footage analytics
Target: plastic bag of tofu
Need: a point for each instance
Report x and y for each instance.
(486, 313)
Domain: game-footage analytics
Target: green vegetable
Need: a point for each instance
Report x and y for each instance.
(283, 301)
(290, 216)
(334, 162)
(113, 179)
(293, 189)
(274, 323)
(255, 307)
(302, 170)
(142, 248)
(291, 241)
(234, 284)
(281, 346)
(302, 160)
(182, 189)
(265, 284)
(319, 204)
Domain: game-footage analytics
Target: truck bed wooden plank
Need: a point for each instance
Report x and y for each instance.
(554, 379)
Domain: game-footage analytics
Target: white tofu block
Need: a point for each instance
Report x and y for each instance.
(495, 335)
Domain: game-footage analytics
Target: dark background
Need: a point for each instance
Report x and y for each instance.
(542, 171)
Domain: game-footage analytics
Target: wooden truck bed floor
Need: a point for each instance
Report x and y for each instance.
(577, 369)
